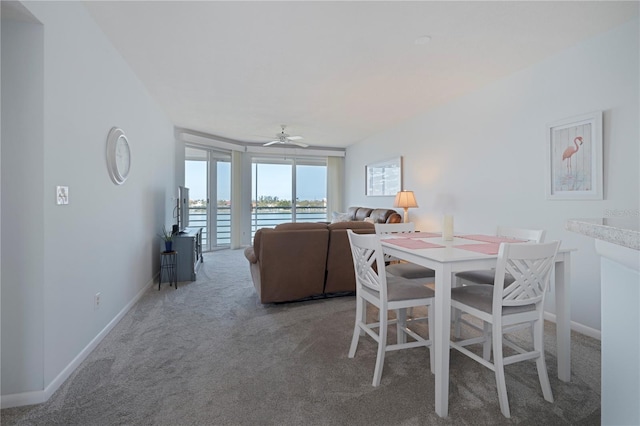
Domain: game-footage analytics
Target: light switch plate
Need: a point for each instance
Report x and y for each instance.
(62, 195)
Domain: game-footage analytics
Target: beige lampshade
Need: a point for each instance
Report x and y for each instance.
(405, 199)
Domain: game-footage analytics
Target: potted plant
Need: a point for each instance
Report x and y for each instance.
(167, 237)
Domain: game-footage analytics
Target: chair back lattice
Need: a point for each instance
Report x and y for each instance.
(531, 266)
(533, 235)
(394, 228)
(367, 261)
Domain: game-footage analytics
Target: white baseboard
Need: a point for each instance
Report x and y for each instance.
(40, 396)
(20, 399)
(576, 326)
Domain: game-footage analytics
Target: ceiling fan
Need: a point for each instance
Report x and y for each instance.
(285, 139)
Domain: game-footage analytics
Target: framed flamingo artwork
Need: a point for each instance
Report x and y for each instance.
(574, 158)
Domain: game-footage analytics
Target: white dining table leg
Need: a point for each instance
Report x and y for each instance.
(563, 317)
(442, 336)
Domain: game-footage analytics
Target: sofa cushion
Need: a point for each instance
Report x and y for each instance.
(377, 215)
(351, 211)
(382, 215)
(362, 212)
(291, 264)
(300, 226)
(359, 213)
(352, 224)
(340, 274)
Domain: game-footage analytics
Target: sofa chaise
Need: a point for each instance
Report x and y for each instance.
(296, 261)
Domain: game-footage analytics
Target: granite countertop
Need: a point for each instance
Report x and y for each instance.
(623, 231)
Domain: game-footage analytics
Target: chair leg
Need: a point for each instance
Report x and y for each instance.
(457, 314)
(402, 323)
(432, 335)
(486, 346)
(363, 315)
(377, 317)
(357, 330)
(532, 331)
(538, 345)
(382, 346)
(498, 363)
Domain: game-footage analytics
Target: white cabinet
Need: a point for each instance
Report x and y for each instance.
(620, 334)
(617, 241)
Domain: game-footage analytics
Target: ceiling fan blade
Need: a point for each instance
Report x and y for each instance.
(285, 139)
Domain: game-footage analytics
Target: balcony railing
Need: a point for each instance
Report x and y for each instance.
(261, 217)
(198, 219)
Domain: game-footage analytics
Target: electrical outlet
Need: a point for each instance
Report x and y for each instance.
(96, 301)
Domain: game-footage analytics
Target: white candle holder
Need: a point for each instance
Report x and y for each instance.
(447, 228)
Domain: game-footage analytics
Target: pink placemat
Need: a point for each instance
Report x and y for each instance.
(424, 235)
(491, 239)
(411, 243)
(491, 248)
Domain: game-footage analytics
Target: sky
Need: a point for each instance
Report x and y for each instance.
(273, 180)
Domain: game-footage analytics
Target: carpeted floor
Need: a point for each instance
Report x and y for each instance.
(209, 353)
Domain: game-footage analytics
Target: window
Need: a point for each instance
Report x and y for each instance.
(208, 177)
(288, 190)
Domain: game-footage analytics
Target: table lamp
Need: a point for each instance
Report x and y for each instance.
(405, 199)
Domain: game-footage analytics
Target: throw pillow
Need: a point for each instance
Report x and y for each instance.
(339, 217)
(368, 219)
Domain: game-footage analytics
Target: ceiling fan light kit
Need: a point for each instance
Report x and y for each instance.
(286, 139)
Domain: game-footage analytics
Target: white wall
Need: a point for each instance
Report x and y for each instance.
(485, 152)
(105, 240)
(22, 218)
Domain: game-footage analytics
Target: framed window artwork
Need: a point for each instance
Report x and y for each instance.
(383, 178)
(574, 158)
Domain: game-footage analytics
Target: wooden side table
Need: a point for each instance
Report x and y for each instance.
(169, 265)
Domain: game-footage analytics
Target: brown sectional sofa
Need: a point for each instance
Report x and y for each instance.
(297, 261)
(378, 215)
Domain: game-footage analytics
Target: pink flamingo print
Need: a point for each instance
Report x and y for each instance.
(566, 155)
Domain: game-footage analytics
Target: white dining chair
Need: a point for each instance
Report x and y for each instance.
(487, 276)
(374, 287)
(501, 306)
(404, 269)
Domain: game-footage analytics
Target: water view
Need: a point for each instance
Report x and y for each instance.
(264, 215)
(289, 190)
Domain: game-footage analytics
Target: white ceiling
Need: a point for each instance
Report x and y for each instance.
(334, 72)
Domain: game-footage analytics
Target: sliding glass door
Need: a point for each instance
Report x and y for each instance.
(287, 190)
(271, 199)
(311, 191)
(208, 177)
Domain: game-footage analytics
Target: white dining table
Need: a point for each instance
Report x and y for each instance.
(446, 261)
